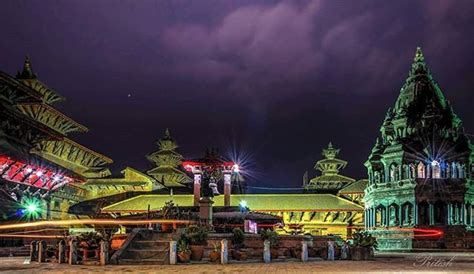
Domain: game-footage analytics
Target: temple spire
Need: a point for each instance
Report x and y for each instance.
(419, 66)
(27, 72)
(419, 55)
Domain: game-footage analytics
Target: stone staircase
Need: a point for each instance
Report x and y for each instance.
(143, 247)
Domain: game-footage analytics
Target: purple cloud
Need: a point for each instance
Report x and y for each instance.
(252, 46)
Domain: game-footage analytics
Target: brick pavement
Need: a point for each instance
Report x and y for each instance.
(396, 262)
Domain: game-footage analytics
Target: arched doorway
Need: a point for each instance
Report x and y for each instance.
(423, 213)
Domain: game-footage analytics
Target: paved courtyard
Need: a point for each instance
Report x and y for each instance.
(393, 262)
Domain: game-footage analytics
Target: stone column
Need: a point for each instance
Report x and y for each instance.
(173, 252)
(463, 214)
(450, 214)
(224, 252)
(33, 251)
(387, 216)
(400, 215)
(62, 252)
(366, 216)
(407, 215)
(205, 211)
(431, 211)
(266, 251)
(227, 188)
(415, 213)
(374, 217)
(304, 251)
(104, 253)
(72, 251)
(456, 214)
(42, 252)
(197, 187)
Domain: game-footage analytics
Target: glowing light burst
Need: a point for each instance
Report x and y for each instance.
(30, 208)
(245, 166)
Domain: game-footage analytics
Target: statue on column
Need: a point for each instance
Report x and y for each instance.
(209, 183)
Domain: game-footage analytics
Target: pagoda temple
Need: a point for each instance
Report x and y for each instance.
(420, 192)
(168, 171)
(330, 180)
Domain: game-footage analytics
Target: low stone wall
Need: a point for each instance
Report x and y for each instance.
(287, 244)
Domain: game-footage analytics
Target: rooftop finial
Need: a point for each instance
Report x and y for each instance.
(419, 55)
(27, 72)
(330, 152)
(167, 133)
(419, 66)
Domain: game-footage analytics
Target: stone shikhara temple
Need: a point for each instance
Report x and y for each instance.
(418, 194)
(420, 170)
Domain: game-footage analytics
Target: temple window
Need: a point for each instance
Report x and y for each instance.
(377, 177)
(421, 170)
(412, 171)
(454, 170)
(436, 169)
(448, 170)
(393, 172)
(461, 171)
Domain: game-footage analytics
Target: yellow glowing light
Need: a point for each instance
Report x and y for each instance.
(93, 222)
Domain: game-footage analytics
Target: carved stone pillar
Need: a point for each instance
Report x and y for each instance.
(197, 187)
(304, 251)
(227, 188)
(266, 251)
(224, 251)
(42, 252)
(33, 251)
(104, 253)
(62, 252)
(72, 251)
(173, 252)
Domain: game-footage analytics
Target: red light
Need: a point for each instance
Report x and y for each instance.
(23, 173)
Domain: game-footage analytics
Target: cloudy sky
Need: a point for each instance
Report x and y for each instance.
(270, 81)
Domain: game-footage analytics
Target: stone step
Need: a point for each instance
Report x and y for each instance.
(143, 261)
(147, 250)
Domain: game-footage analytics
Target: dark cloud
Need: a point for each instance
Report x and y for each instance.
(278, 79)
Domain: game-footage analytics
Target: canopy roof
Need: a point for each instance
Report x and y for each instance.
(256, 202)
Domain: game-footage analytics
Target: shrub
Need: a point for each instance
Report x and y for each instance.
(237, 237)
(364, 239)
(270, 235)
(183, 246)
(196, 235)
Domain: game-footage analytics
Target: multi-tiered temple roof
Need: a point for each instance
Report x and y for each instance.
(62, 151)
(330, 166)
(168, 170)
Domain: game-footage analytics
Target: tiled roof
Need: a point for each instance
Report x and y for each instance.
(256, 202)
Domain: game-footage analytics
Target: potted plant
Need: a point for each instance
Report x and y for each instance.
(184, 253)
(169, 211)
(196, 236)
(272, 237)
(364, 244)
(215, 254)
(238, 244)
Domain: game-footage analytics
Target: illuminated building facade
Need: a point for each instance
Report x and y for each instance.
(420, 192)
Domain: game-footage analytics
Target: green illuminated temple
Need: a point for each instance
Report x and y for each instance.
(420, 170)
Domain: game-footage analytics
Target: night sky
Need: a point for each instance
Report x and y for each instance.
(273, 81)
